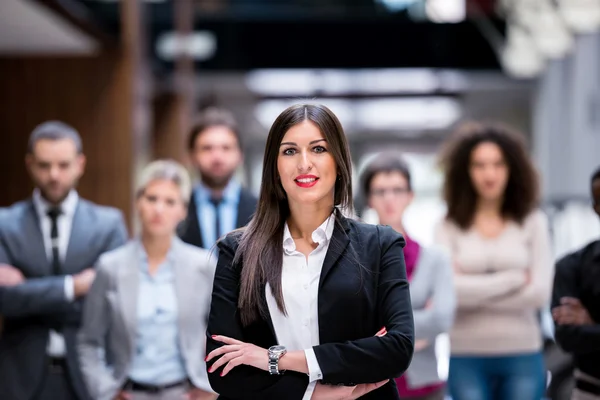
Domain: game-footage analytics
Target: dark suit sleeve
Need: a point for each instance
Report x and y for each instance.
(572, 338)
(36, 296)
(46, 296)
(243, 382)
(374, 359)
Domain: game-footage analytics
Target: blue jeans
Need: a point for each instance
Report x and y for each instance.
(513, 377)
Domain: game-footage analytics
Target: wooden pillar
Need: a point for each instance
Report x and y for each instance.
(105, 97)
(173, 110)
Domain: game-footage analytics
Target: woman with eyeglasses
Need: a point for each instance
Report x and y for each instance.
(387, 186)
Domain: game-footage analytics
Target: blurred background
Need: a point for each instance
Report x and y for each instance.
(130, 75)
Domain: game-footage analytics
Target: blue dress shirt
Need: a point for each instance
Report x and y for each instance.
(157, 358)
(228, 211)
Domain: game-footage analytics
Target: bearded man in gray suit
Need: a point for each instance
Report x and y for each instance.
(48, 245)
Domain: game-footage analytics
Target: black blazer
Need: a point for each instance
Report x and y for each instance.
(355, 301)
(189, 230)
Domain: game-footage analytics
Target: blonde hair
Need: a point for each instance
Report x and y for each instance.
(169, 170)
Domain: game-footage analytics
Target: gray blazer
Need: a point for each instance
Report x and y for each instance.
(39, 304)
(431, 281)
(107, 337)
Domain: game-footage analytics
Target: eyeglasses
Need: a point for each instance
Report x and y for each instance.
(396, 192)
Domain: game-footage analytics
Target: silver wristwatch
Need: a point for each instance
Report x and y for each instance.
(275, 353)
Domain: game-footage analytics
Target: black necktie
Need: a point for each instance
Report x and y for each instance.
(215, 202)
(53, 213)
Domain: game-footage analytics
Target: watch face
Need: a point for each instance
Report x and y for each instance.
(277, 349)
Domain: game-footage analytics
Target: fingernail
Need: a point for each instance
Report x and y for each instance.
(213, 336)
(221, 373)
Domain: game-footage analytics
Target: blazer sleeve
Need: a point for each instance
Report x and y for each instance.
(374, 359)
(243, 382)
(91, 343)
(46, 296)
(438, 318)
(34, 297)
(574, 339)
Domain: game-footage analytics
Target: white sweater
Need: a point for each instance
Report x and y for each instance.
(497, 308)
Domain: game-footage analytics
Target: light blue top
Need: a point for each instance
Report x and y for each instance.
(157, 359)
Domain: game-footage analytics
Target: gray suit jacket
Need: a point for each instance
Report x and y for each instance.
(432, 282)
(107, 337)
(32, 308)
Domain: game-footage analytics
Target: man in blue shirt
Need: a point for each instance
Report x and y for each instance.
(219, 203)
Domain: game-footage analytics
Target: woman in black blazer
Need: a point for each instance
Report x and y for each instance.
(308, 304)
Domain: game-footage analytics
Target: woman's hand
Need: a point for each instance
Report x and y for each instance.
(236, 352)
(198, 394)
(421, 344)
(122, 395)
(329, 392)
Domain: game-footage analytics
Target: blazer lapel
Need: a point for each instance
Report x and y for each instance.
(268, 319)
(184, 291)
(127, 289)
(246, 207)
(35, 241)
(337, 247)
(190, 229)
(81, 236)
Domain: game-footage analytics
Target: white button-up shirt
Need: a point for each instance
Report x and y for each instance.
(300, 284)
(56, 344)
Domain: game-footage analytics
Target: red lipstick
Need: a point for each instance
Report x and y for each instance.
(306, 181)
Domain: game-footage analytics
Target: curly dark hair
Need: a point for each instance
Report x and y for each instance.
(522, 189)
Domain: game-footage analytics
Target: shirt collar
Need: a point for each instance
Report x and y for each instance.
(321, 235)
(68, 205)
(231, 193)
(143, 256)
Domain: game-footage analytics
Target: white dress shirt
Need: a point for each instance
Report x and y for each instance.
(300, 284)
(56, 344)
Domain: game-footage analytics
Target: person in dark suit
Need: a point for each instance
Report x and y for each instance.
(305, 290)
(576, 309)
(48, 245)
(219, 204)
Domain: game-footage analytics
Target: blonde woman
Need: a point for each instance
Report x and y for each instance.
(144, 318)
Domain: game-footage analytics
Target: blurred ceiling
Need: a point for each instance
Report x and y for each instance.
(239, 35)
(415, 107)
(30, 28)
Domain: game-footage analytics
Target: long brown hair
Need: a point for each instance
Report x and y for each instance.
(261, 245)
(522, 189)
